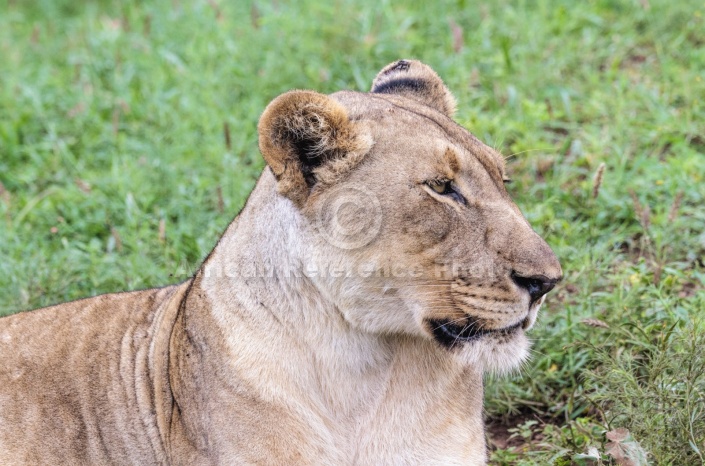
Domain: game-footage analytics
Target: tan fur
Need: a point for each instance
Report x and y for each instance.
(307, 336)
(416, 81)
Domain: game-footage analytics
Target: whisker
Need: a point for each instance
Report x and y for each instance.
(539, 353)
(507, 157)
(415, 285)
(450, 322)
(472, 321)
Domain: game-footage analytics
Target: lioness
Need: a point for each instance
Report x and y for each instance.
(346, 316)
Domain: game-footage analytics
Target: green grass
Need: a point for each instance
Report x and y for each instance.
(117, 174)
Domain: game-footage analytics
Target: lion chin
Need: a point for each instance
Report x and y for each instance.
(497, 351)
(347, 315)
(498, 355)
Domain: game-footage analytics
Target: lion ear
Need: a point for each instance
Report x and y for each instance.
(306, 138)
(415, 80)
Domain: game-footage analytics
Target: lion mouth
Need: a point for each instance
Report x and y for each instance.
(450, 334)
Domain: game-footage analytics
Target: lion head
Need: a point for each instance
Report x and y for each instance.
(409, 229)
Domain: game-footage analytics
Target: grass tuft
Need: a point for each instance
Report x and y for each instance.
(651, 379)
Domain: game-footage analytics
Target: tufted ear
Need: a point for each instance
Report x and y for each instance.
(413, 79)
(307, 138)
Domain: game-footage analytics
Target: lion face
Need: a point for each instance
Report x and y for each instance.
(410, 228)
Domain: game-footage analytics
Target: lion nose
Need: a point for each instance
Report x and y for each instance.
(536, 285)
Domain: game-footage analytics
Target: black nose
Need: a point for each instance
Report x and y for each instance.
(536, 285)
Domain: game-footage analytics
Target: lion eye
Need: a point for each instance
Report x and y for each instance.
(441, 187)
(445, 188)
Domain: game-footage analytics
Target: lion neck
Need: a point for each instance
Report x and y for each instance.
(257, 293)
(289, 341)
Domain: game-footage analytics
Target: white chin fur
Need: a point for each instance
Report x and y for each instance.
(499, 355)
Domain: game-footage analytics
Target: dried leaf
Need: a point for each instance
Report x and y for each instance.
(624, 449)
(617, 435)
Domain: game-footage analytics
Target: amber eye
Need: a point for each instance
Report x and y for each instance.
(446, 188)
(441, 187)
